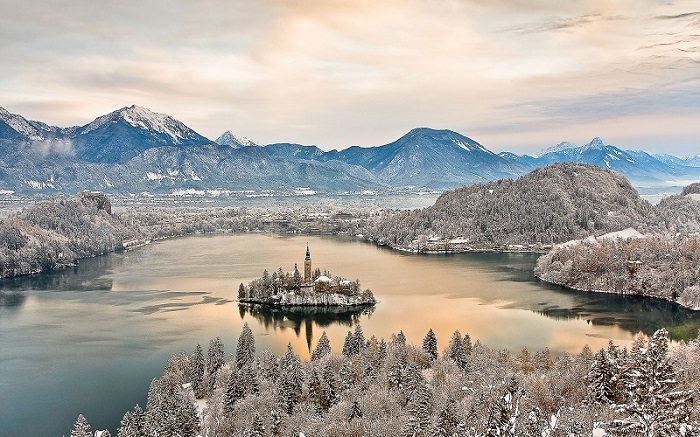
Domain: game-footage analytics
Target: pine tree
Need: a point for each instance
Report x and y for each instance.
(604, 378)
(420, 404)
(455, 351)
(241, 292)
(81, 428)
(245, 349)
(654, 406)
(329, 386)
(289, 384)
(169, 411)
(186, 419)
(358, 340)
(133, 424)
(198, 372)
(467, 343)
(430, 344)
(258, 427)
(346, 376)
(215, 360)
(412, 428)
(447, 421)
(355, 411)
(315, 387)
(234, 392)
(349, 345)
(504, 414)
(400, 339)
(323, 348)
(296, 279)
(275, 423)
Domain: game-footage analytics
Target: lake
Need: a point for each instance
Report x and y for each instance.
(90, 339)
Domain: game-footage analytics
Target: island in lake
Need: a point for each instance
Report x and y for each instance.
(313, 289)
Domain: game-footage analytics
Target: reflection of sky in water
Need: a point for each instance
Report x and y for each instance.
(108, 326)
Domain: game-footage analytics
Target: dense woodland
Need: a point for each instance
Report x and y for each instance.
(56, 233)
(666, 267)
(553, 204)
(378, 388)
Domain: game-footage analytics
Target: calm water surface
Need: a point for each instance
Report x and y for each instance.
(89, 340)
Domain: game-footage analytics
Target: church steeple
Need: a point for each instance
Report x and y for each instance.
(307, 265)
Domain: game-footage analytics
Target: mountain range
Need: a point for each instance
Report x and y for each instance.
(134, 150)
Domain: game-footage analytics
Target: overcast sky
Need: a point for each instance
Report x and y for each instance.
(516, 75)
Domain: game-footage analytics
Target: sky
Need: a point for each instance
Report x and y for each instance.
(516, 75)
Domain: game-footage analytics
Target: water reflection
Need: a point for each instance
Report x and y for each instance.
(295, 317)
(631, 313)
(12, 299)
(89, 275)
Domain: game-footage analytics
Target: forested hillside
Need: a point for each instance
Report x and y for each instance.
(552, 204)
(375, 388)
(665, 267)
(55, 233)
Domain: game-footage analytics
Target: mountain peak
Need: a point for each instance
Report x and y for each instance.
(596, 143)
(146, 120)
(228, 138)
(564, 145)
(32, 130)
(126, 132)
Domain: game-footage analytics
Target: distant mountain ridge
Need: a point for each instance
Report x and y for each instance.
(642, 168)
(134, 149)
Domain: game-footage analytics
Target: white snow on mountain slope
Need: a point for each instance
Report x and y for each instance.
(228, 138)
(145, 119)
(32, 130)
(564, 145)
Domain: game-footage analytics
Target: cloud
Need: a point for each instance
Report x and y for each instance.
(678, 16)
(565, 23)
(59, 147)
(349, 71)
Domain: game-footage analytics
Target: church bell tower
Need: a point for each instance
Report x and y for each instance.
(307, 265)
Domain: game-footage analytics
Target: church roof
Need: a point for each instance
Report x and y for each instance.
(323, 278)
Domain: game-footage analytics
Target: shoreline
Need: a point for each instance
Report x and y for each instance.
(568, 287)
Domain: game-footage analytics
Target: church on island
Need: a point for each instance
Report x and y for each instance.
(311, 289)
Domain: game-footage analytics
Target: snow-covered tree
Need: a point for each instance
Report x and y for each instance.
(430, 344)
(81, 428)
(133, 424)
(447, 421)
(215, 359)
(455, 351)
(245, 349)
(504, 413)
(323, 348)
(655, 406)
(289, 384)
(604, 377)
(198, 371)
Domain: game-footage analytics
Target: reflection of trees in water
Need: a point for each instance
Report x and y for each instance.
(12, 298)
(87, 276)
(295, 317)
(631, 313)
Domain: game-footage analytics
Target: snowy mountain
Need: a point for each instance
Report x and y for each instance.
(126, 132)
(16, 126)
(424, 157)
(228, 138)
(640, 167)
(293, 151)
(689, 161)
(134, 149)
